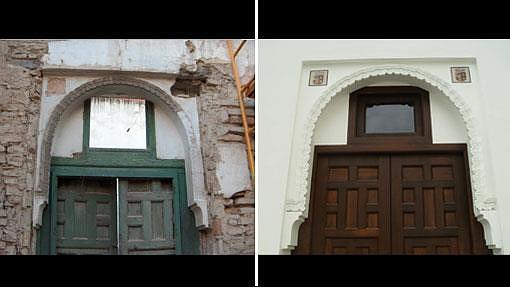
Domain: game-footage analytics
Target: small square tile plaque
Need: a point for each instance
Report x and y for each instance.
(318, 78)
(460, 75)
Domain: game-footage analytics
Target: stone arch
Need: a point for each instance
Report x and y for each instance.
(297, 199)
(196, 193)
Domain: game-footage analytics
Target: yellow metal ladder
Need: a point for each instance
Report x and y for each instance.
(241, 90)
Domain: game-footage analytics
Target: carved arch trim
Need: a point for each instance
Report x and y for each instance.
(297, 199)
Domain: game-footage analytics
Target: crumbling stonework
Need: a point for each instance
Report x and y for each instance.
(20, 91)
(232, 218)
(231, 212)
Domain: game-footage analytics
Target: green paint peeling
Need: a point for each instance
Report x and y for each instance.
(121, 163)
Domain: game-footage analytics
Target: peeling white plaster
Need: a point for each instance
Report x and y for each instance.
(233, 176)
(146, 55)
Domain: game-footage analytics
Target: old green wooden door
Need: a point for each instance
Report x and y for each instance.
(86, 216)
(146, 217)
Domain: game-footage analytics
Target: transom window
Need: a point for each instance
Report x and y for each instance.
(117, 123)
(389, 114)
(389, 118)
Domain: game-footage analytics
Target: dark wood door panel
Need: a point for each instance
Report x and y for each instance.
(431, 245)
(399, 203)
(363, 245)
(429, 200)
(352, 201)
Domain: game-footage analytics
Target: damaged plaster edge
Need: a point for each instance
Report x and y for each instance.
(40, 202)
(201, 218)
(52, 71)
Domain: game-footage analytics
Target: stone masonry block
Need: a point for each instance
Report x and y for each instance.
(18, 149)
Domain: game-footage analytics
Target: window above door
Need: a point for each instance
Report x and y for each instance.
(389, 114)
(119, 124)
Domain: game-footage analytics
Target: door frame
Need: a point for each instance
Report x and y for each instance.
(185, 243)
(125, 163)
(404, 148)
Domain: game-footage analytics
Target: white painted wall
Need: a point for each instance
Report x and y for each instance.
(284, 100)
(169, 142)
(447, 124)
(69, 134)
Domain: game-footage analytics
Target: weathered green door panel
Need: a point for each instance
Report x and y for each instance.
(73, 223)
(86, 216)
(146, 217)
(43, 236)
(181, 225)
(188, 233)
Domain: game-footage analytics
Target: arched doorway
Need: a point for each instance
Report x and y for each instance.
(117, 195)
(390, 190)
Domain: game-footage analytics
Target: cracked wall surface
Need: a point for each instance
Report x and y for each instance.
(186, 69)
(232, 201)
(20, 92)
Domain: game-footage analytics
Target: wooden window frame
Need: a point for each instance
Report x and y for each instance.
(359, 99)
(150, 132)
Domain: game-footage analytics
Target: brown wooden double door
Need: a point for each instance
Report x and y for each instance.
(391, 204)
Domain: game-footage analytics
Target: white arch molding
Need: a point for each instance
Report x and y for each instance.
(297, 199)
(196, 194)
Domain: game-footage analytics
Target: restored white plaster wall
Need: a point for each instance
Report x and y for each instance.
(447, 124)
(284, 100)
(332, 125)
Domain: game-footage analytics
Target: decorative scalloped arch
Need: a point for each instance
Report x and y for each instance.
(296, 205)
(196, 189)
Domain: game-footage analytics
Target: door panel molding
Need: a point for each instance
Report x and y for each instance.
(186, 233)
(147, 217)
(428, 201)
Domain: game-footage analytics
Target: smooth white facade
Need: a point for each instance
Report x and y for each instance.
(290, 113)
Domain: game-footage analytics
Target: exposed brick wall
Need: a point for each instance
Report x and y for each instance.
(232, 219)
(20, 91)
